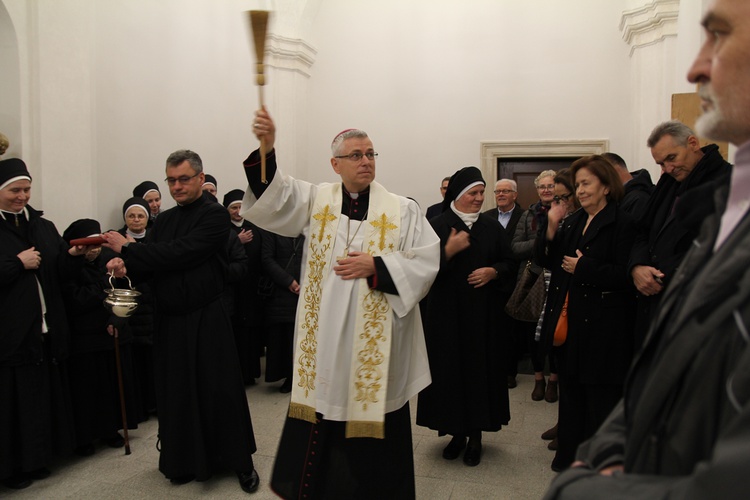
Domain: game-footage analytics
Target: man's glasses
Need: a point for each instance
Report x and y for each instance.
(546, 187)
(562, 197)
(183, 179)
(503, 191)
(370, 155)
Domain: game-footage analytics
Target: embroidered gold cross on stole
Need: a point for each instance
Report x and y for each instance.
(383, 224)
(324, 217)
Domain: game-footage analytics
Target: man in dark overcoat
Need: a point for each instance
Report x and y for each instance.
(682, 429)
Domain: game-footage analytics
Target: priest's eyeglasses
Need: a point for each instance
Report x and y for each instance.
(183, 179)
(356, 156)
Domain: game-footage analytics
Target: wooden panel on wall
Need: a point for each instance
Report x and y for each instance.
(687, 109)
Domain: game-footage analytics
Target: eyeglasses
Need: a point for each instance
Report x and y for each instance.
(503, 191)
(562, 197)
(546, 187)
(183, 179)
(358, 156)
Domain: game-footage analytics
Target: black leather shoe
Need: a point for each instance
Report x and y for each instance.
(85, 450)
(42, 473)
(182, 479)
(116, 441)
(473, 454)
(286, 387)
(550, 433)
(453, 450)
(249, 481)
(512, 383)
(17, 482)
(557, 465)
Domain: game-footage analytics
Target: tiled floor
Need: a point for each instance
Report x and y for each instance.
(515, 461)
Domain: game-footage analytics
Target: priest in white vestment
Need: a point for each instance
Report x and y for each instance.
(360, 355)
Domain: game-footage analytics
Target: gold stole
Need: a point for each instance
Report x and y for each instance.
(372, 343)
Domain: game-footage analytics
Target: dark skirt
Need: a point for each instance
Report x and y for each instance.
(317, 461)
(279, 351)
(96, 396)
(143, 365)
(36, 416)
(248, 351)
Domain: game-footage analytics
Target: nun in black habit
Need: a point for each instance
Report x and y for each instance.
(247, 316)
(92, 363)
(36, 420)
(149, 191)
(464, 322)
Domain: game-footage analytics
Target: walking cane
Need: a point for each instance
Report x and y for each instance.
(122, 394)
(122, 303)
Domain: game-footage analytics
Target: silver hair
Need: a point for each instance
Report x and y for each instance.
(546, 173)
(180, 156)
(348, 134)
(513, 184)
(675, 128)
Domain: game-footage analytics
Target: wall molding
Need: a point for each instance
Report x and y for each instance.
(650, 24)
(491, 151)
(291, 54)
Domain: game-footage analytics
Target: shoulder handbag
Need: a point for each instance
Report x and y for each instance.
(561, 329)
(527, 300)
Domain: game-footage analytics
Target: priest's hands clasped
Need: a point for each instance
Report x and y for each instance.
(355, 265)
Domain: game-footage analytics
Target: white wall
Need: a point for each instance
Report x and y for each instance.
(110, 87)
(429, 80)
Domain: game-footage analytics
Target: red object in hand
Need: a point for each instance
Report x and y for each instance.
(93, 240)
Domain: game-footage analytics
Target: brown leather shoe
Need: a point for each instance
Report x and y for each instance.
(550, 433)
(550, 395)
(538, 393)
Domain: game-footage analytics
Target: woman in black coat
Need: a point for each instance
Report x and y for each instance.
(464, 322)
(282, 261)
(588, 255)
(92, 363)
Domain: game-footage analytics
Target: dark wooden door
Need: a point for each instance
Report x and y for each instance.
(525, 170)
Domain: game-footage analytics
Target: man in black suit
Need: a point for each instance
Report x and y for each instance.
(507, 213)
(437, 208)
(663, 236)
